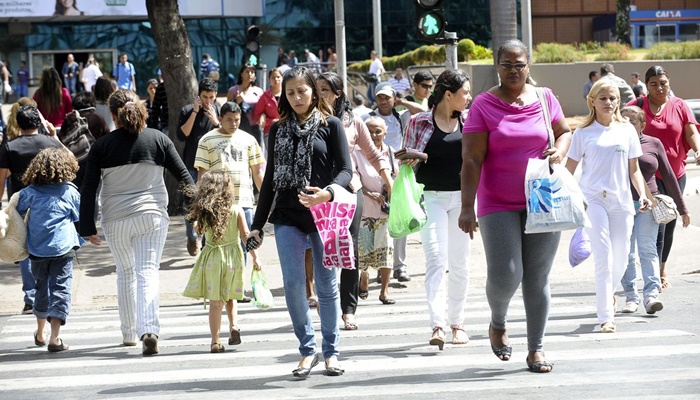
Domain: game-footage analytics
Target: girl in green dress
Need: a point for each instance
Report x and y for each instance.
(217, 274)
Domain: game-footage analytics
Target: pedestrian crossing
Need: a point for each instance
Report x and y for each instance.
(387, 356)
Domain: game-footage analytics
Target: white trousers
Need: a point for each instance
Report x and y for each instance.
(611, 227)
(137, 246)
(445, 247)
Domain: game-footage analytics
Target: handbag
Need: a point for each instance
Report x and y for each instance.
(79, 139)
(665, 210)
(13, 233)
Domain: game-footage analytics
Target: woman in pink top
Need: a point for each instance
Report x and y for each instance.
(330, 87)
(265, 111)
(52, 99)
(670, 120)
(247, 95)
(506, 127)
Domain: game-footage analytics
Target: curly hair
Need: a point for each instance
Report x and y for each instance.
(52, 165)
(213, 199)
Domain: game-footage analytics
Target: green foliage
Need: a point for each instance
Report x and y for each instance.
(465, 49)
(612, 51)
(588, 47)
(482, 53)
(556, 53)
(674, 51)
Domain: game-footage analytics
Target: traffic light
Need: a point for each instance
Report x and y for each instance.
(430, 18)
(252, 46)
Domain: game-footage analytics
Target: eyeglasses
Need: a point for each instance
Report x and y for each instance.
(426, 86)
(508, 67)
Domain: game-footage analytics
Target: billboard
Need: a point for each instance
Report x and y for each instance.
(70, 9)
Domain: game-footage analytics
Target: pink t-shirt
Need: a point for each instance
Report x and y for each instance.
(516, 134)
(668, 127)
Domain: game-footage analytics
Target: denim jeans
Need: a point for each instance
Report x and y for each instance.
(291, 246)
(54, 277)
(70, 84)
(446, 247)
(28, 282)
(644, 235)
(189, 229)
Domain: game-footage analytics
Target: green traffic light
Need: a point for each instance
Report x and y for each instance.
(430, 25)
(253, 59)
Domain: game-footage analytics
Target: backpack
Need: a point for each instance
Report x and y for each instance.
(79, 138)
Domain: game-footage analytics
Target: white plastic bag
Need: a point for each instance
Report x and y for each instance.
(554, 200)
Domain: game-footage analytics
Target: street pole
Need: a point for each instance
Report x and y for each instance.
(451, 50)
(341, 65)
(377, 25)
(526, 23)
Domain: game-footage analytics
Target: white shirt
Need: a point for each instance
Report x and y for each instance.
(604, 153)
(90, 75)
(361, 110)
(394, 136)
(377, 67)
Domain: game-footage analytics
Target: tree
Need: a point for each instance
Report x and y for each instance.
(175, 58)
(504, 25)
(622, 22)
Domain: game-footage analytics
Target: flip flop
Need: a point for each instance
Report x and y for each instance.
(536, 366)
(387, 300)
(57, 347)
(235, 337)
(313, 302)
(37, 342)
(350, 325)
(217, 348)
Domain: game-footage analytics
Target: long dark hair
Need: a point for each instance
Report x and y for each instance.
(240, 74)
(61, 10)
(656, 70)
(342, 103)
(285, 109)
(451, 80)
(103, 88)
(49, 96)
(130, 111)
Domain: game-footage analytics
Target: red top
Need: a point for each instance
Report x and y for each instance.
(266, 105)
(59, 114)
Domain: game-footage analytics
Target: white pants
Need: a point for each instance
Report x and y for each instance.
(611, 227)
(445, 247)
(137, 246)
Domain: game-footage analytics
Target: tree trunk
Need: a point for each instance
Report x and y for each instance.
(175, 58)
(504, 25)
(622, 22)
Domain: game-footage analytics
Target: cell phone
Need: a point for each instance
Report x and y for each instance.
(252, 243)
(44, 123)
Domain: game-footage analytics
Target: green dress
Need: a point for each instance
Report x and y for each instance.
(218, 272)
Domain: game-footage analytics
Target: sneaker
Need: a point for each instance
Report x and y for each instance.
(150, 344)
(653, 305)
(193, 247)
(630, 307)
(28, 309)
(401, 275)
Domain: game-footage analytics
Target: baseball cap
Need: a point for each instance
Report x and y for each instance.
(385, 88)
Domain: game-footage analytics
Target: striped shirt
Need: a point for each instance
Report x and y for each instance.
(235, 154)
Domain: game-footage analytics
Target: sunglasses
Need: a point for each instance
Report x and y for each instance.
(508, 67)
(426, 86)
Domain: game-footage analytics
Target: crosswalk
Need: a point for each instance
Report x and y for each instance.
(388, 356)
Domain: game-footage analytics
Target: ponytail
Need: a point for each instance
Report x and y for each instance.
(130, 112)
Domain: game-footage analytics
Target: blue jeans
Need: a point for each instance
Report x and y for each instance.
(22, 90)
(28, 282)
(291, 245)
(644, 233)
(70, 84)
(54, 276)
(189, 229)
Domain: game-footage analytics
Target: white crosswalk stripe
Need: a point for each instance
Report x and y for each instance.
(391, 343)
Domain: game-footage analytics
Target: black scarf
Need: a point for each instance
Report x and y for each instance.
(293, 152)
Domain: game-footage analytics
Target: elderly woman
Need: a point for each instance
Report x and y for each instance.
(134, 211)
(505, 128)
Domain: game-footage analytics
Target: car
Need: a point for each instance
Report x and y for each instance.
(695, 106)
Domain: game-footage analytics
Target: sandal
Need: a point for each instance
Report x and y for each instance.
(57, 347)
(504, 352)
(217, 348)
(313, 302)
(387, 300)
(37, 342)
(235, 337)
(536, 366)
(608, 327)
(457, 337)
(364, 278)
(665, 283)
(438, 338)
(349, 325)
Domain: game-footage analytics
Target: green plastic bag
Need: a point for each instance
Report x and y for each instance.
(407, 213)
(261, 293)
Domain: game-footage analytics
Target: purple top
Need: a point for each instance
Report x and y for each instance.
(516, 134)
(654, 158)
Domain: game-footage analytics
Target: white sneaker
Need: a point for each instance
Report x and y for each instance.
(630, 307)
(652, 306)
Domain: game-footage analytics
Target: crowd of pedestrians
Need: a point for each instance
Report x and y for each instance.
(302, 143)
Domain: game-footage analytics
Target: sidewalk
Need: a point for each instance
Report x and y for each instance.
(94, 276)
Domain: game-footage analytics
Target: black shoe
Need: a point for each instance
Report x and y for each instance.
(28, 309)
(402, 276)
(150, 344)
(245, 299)
(379, 278)
(304, 372)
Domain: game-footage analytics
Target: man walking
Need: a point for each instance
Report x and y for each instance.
(209, 68)
(70, 73)
(376, 69)
(124, 73)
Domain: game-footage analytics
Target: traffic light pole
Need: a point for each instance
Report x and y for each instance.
(451, 50)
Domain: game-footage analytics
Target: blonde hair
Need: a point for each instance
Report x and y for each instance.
(213, 199)
(595, 89)
(13, 129)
